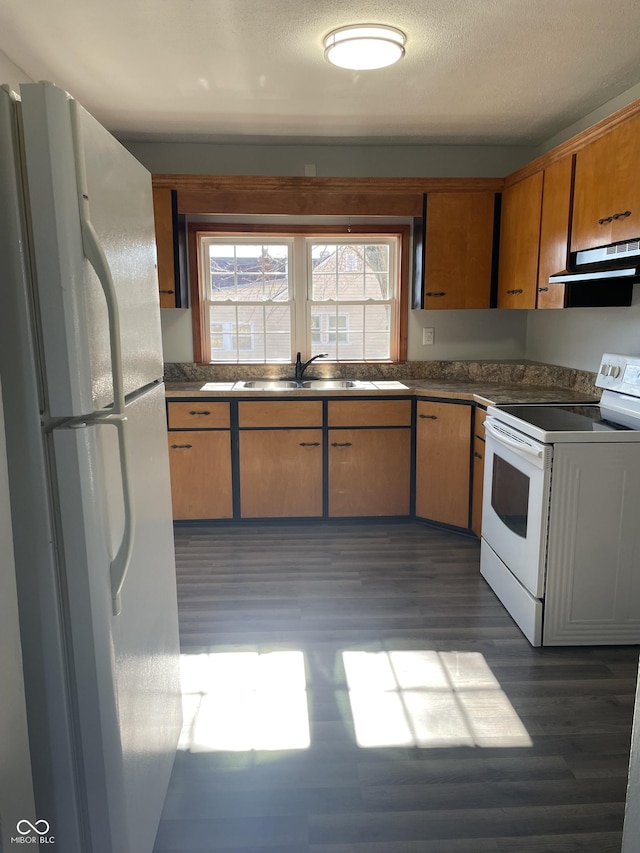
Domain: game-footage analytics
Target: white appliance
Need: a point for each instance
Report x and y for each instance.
(560, 528)
(81, 364)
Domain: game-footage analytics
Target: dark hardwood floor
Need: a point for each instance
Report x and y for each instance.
(432, 726)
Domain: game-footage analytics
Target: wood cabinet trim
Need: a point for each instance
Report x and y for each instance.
(575, 143)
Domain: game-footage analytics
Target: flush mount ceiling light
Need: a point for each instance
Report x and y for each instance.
(362, 47)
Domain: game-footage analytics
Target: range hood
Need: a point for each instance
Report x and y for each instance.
(608, 265)
(601, 277)
(615, 257)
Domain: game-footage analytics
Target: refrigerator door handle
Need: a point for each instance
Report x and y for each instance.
(120, 564)
(95, 255)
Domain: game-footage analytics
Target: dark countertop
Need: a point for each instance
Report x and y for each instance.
(483, 393)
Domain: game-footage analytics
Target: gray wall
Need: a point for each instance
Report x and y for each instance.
(577, 337)
(331, 160)
(10, 73)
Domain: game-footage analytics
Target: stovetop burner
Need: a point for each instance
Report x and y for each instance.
(563, 418)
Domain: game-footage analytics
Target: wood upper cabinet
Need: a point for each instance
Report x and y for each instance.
(555, 223)
(164, 213)
(200, 463)
(606, 205)
(280, 473)
(458, 250)
(519, 243)
(443, 456)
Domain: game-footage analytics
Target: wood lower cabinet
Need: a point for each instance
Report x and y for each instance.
(478, 470)
(369, 472)
(201, 485)
(280, 473)
(369, 465)
(443, 450)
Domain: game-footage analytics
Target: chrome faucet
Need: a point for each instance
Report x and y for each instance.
(300, 367)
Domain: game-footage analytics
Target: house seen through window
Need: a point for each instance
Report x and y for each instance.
(265, 297)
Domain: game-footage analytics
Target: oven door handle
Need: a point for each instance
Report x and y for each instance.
(520, 446)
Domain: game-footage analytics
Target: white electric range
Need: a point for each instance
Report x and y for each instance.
(561, 513)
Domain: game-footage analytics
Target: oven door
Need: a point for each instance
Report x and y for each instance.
(517, 485)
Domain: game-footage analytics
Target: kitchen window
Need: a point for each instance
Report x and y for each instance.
(264, 295)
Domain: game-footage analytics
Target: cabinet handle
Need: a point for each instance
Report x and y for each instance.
(181, 446)
(167, 291)
(477, 455)
(200, 413)
(309, 444)
(429, 417)
(606, 219)
(519, 290)
(340, 444)
(543, 290)
(439, 293)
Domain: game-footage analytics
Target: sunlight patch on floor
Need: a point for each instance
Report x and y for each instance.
(429, 699)
(241, 701)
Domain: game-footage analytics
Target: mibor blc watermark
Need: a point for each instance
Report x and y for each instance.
(33, 833)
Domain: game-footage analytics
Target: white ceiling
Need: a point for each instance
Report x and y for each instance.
(476, 71)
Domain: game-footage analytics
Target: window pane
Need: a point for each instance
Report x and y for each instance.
(323, 267)
(249, 272)
(278, 333)
(378, 335)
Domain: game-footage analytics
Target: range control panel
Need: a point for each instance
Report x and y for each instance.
(620, 373)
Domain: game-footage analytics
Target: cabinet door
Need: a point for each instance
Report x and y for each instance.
(458, 250)
(280, 473)
(201, 474)
(165, 245)
(443, 451)
(554, 231)
(606, 205)
(369, 472)
(478, 475)
(519, 242)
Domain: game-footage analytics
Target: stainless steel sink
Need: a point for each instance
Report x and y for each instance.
(271, 384)
(329, 384)
(289, 384)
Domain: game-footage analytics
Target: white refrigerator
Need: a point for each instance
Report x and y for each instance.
(81, 368)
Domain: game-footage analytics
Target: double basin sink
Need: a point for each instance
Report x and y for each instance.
(289, 384)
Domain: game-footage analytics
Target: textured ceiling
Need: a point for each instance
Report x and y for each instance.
(476, 71)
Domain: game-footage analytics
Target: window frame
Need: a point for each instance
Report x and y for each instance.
(199, 314)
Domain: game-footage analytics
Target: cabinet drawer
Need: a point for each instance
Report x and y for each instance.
(198, 415)
(369, 413)
(268, 413)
